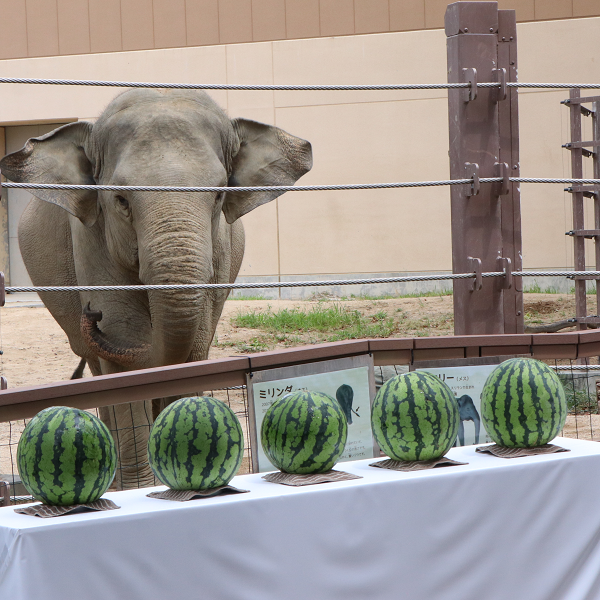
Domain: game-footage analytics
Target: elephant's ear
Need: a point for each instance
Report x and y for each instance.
(267, 156)
(58, 157)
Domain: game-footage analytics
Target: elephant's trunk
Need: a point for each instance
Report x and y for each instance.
(174, 249)
(177, 252)
(124, 355)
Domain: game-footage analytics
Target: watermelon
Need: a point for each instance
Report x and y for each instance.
(523, 404)
(415, 417)
(66, 456)
(304, 432)
(196, 444)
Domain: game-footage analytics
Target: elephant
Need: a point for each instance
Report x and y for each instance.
(468, 412)
(145, 137)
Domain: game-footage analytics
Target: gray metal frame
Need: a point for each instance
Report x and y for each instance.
(579, 149)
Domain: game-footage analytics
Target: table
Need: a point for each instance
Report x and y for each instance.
(526, 528)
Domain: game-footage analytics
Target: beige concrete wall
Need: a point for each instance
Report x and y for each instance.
(35, 28)
(356, 137)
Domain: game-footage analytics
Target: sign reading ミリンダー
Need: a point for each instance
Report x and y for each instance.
(467, 384)
(350, 381)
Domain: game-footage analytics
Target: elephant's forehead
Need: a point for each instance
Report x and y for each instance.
(176, 126)
(153, 120)
(141, 99)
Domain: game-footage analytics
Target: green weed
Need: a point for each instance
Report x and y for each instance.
(430, 294)
(536, 289)
(338, 321)
(579, 400)
(259, 297)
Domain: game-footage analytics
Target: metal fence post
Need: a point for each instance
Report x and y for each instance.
(508, 120)
(483, 127)
(4, 493)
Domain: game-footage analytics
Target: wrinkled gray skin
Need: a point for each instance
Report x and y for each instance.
(145, 137)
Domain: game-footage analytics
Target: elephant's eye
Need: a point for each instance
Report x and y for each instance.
(123, 203)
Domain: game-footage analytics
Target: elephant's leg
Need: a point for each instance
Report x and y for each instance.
(461, 433)
(130, 425)
(159, 404)
(477, 423)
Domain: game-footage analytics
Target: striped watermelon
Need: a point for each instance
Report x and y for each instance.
(196, 444)
(66, 456)
(304, 432)
(523, 404)
(415, 417)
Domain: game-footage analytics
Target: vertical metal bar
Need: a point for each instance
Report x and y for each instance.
(4, 493)
(472, 43)
(578, 214)
(508, 122)
(596, 137)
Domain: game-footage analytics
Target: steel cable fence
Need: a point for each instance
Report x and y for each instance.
(583, 422)
(287, 87)
(135, 435)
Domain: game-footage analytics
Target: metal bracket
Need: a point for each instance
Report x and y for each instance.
(469, 76)
(505, 265)
(586, 112)
(472, 172)
(2, 289)
(503, 187)
(499, 75)
(475, 266)
(580, 145)
(4, 493)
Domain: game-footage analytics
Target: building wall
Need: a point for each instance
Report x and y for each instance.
(357, 137)
(34, 28)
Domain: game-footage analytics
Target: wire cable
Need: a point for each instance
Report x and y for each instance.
(290, 188)
(235, 86)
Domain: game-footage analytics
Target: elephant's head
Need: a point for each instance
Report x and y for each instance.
(159, 138)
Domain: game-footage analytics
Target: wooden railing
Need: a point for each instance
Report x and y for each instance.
(174, 380)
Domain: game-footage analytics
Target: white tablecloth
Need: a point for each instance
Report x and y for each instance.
(519, 529)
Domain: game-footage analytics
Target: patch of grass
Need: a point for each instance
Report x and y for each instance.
(536, 289)
(589, 291)
(440, 324)
(255, 344)
(430, 294)
(337, 320)
(259, 297)
(579, 400)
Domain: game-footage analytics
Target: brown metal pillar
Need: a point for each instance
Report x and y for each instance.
(596, 159)
(4, 493)
(578, 210)
(508, 118)
(485, 225)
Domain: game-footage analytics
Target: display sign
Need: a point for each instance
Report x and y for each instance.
(466, 382)
(350, 380)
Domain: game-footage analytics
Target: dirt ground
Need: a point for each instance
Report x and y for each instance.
(36, 351)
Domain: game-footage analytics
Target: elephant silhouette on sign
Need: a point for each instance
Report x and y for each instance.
(345, 395)
(468, 412)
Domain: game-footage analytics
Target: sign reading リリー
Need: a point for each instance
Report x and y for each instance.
(467, 385)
